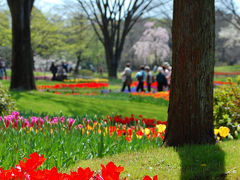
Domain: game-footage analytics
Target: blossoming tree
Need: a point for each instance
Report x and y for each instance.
(153, 44)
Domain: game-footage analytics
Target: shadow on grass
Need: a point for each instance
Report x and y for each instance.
(202, 162)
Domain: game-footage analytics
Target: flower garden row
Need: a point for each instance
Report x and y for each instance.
(28, 170)
(227, 73)
(100, 85)
(73, 139)
(72, 86)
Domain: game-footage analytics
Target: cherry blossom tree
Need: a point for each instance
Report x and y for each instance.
(153, 45)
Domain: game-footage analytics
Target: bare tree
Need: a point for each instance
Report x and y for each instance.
(22, 56)
(112, 20)
(229, 7)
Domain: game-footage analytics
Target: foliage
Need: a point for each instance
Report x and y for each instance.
(47, 34)
(227, 107)
(5, 35)
(64, 38)
(7, 104)
(5, 30)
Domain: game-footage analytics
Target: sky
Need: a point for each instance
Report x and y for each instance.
(47, 5)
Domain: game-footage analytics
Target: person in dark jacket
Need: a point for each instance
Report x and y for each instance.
(140, 77)
(161, 79)
(53, 69)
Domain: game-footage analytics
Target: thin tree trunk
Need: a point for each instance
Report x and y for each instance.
(78, 64)
(22, 77)
(190, 114)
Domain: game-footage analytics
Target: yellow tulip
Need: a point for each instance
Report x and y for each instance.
(146, 131)
(216, 131)
(161, 128)
(224, 131)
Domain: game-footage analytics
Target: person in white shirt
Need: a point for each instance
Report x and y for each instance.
(127, 77)
(167, 72)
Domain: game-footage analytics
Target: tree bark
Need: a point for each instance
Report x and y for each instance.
(22, 77)
(190, 113)
(78, 62)
(112, 63)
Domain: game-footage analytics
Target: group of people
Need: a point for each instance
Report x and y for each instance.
(59, 72)
(3, 72)
(161, 74)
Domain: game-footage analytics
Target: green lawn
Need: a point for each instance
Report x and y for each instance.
(79, 105)
(117, 103)
(235, 68)
(220, 161)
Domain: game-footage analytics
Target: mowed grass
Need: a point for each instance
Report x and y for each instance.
(220, 161)
(116, 103)
(235, 68)
(50, 103)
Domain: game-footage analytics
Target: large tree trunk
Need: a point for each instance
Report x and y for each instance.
(190, 114)
(22, 57)
(112, 63)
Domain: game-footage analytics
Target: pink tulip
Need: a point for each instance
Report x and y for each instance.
(46, 118)
(55, 120)
(41, 122)
(26, 123)
(71, 121)
(15, 114)
(33, 120)
(62, 119)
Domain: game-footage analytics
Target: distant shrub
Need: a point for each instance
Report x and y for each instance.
(227, 107)
(7, 104)
(85, 72)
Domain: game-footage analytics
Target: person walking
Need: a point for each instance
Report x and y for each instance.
(161, 80)
(167, 72)
(126, 78)
(149, 78)
(53, 70)
(140, 77)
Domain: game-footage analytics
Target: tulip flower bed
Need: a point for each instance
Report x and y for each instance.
(163, 95)
(226, 73)
(28, 170)
(76, 94)
(154, 84)
(80, 80)
(73, 86)
(66, 140)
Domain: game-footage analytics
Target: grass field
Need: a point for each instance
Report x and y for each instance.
(220, 161)
(235, 68)
(80, 105)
